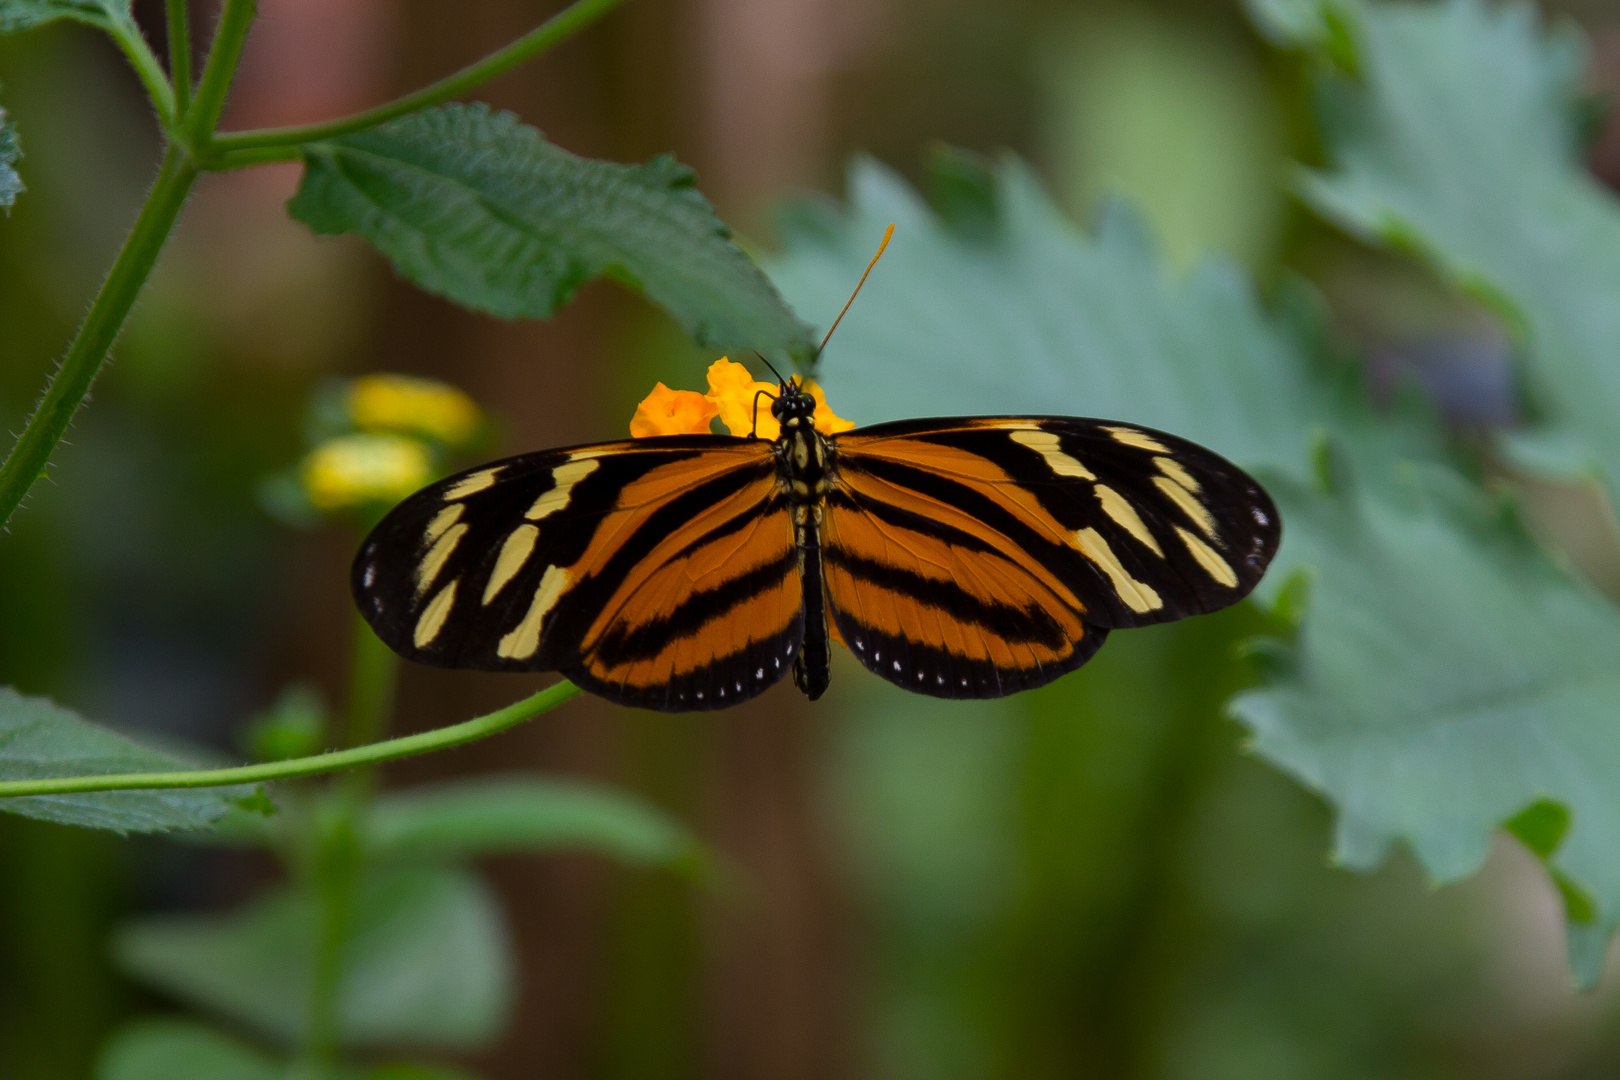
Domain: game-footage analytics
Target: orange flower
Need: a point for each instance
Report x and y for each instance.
(742, 400)
(672, 412)
(827, 422)
(735, 393)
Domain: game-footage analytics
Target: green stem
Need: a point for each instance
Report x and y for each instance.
(179, 20)
(235, 18)
(337, 880)
(556, 29)
(372, 675)
(147, 69)
(336, 761)
(111, 307)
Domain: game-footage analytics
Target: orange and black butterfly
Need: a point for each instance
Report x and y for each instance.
(962, 558)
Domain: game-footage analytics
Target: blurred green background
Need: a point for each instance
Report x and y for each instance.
(1088, 880)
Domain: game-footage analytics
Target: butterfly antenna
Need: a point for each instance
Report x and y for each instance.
(886, 234)
(768, 364)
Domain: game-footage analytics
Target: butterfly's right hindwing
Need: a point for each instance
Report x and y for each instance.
(656, 572)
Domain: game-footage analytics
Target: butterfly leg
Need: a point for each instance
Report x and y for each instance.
(811, 667)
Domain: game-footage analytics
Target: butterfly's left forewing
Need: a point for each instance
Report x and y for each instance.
(656, 572)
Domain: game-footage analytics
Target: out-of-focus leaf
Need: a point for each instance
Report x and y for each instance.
(11, 184)
(477, 206)
(427, 964)
(418, 1072)
(181, 1050)
(491, 815)
(295, 726)
(1448, 677)
(18, 15)
(1459, 141)
(41, 739)
(1029, 314)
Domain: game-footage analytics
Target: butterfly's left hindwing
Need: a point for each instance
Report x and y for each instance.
(658, 572)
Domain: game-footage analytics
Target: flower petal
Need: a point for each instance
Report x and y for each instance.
(672, 412)
(827, 422)
(741, 400)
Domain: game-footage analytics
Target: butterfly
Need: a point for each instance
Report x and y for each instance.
(960, 558)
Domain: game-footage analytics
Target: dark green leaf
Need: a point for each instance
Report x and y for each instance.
(479, 207)
(1448, 677)
(428, 963)
(180, 1050)
(18, 15)
(11, 184)
(41, 739)
(527, 814)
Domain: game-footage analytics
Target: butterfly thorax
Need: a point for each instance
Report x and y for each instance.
(803, 456)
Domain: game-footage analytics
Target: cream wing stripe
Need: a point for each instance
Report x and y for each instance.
(428, 569)
(433, 616)
(1139, 439)
(1138, 597)
(1196, 512)
(1125, 516)
(473, 484)
(1046, 444)
(1215, 566)
(514, 553)
(563, 478)
(442, 521)
(522, 642)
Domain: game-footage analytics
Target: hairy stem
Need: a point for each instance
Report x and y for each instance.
(558, 28)
(179, 21)
(235, 18)
(336, 761)
(128, 38)
(101, 326)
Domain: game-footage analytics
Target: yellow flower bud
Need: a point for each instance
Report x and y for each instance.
(354, 470)
(416, 406)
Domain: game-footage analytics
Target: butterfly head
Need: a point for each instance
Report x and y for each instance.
(793, 404)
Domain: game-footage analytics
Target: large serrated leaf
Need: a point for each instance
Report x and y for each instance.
(18, 15)
(181, 1050)
(1030, 314)
(41, 739)
(427, 964)
(497, 814)
(477, 206)
(11, 184)
(1448, 677)
(1459, 139)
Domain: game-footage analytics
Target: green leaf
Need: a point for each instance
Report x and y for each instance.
(1461, 142)
(1449, 677)
(41, 739)
(417, 1072)
(1022, 312)
(492, 815)
(11, 184)
(18, 15)
(180, 1050)
(477, 206)
(427, 964)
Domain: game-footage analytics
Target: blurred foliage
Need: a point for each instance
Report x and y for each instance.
(1086, 880)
